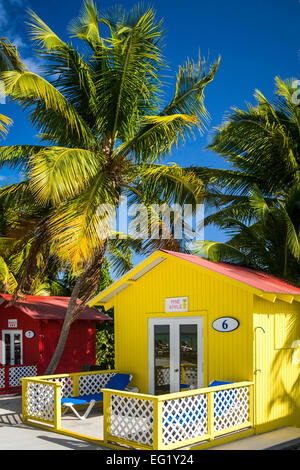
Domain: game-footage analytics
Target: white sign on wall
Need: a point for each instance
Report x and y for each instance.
(12, 323)
(176, 304)
(30, 334)
(225, 324)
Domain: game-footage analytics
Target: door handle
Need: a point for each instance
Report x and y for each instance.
(176, 370)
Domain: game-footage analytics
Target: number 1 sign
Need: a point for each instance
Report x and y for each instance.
(225, 324)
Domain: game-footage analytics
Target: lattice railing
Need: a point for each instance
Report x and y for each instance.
(184, 419)
(41, 396)
(81, 383)
(67, 385)
(10, 376)
(18, 372)
(93, 383)
(143, 421)
(178, 419)
(231, 408)
(132, 419)
(162, 375)
(39, 400)
(188, 375)
(2, 377)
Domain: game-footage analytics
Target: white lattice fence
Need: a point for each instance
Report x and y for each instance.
(16, 373)
(184, 418)
(190, 376)
(92, 383)
(231, 408)
(162, 375)
(2, 377)
(131, 419)
(66, 385)
(40, 401)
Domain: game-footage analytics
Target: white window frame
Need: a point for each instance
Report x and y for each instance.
(174, 325)
(12, 349)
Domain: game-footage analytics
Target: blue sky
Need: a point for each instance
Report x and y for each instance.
(256, 39)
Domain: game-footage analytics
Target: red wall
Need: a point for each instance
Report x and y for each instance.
(80, 348)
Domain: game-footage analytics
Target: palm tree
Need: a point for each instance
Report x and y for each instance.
(103, 129)
(262, 145)
(270, 244)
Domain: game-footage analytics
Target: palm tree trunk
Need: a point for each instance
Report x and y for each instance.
(85, 287)
(32, 272)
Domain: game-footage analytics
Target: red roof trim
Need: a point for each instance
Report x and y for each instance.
(258, 280)
(51, 308)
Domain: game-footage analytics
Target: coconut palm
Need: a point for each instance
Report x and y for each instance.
(271, 243)
(103, 129)
(262, 146)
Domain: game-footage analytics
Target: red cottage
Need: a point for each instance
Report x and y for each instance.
(29, 332)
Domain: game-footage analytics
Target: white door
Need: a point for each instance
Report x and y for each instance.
(175, 354)
(12, 348)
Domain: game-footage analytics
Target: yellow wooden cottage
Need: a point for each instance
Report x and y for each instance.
(213, 350)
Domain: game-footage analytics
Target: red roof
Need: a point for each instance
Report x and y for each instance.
(52, 308)
(256, 279)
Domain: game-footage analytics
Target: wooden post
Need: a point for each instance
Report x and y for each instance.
(251, 405)
(157, 424)
(75, 378)
(106, 415)
(24, 400)
(210, 414)
(57, 405)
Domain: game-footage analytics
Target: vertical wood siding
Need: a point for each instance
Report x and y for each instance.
(227, 356)
(277, 374)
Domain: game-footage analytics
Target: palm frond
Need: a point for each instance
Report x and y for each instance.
(9, 57)
(5, 122)
(7, 278)
(41, 34)
(85, 27)
(177, 121)
(217, 251)
(31, 90)
(57, 174)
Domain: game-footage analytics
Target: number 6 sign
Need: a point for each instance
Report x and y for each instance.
(225, 324)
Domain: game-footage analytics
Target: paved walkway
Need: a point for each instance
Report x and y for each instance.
(270, 440)
(14, 435)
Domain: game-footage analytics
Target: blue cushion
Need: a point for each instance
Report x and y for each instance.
(83, 399)
(196, 415)
(116, 382)
(215, 383)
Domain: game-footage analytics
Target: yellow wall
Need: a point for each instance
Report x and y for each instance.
(277, 381)
(227, 356)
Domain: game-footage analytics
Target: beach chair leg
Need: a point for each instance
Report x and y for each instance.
(64, 410)
(89, 409)
(70, 405)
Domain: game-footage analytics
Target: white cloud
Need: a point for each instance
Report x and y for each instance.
(18, 42)
(33, 64)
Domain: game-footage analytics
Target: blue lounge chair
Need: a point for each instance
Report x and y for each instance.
(223, 406)
(116, 382)
(196, 415)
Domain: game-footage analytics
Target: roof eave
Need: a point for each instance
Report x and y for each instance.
(106, 298)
